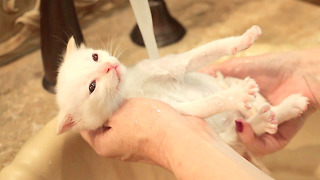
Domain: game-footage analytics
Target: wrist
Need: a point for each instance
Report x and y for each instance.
(187, 146)
(191, 150)
(161, 144)
(180, 138)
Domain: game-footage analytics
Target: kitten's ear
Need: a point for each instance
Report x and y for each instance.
(71, 46)
(65, 122)
(82, 46)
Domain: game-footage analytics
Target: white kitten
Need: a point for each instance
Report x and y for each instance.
(91, 86)
(89, 89)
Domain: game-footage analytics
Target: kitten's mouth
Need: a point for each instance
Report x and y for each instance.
(118, 73)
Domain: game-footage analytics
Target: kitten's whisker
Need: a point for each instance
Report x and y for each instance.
(108, 44)
(113, 44)
(69, 35)
(58, 38)
(116, 50)
(110, 48)
(104, 47)
(65, 33)
(121, 52)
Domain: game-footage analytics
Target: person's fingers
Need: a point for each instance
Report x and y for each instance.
(237, 67)
(88, 136)
(93, 136)
(249, 138)
(289, 129)
(245, 132)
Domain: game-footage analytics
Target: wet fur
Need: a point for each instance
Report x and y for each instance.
(173, 79)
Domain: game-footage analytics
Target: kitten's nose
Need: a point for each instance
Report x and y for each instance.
(108, 66)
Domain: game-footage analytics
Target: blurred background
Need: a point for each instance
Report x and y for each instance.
(25, 106)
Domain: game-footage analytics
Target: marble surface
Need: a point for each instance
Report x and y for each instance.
(286, 24)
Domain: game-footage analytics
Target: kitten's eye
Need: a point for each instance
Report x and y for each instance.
(92, 86)
(95, 57)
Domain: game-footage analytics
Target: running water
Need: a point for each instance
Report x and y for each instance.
(142, 13)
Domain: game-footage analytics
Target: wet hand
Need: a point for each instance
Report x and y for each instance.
(278, 75)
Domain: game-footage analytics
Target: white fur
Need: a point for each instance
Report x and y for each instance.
(174, 80)
(88, 111)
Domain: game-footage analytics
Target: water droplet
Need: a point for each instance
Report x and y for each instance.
(136, 122)
(204, 54)
(158, 110)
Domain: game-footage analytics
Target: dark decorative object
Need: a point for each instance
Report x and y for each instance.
(315, 2)
(58, 22)
(167, 30)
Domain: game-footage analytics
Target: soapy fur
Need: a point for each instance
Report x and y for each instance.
(173, 79)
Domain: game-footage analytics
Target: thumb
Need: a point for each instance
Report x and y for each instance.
(248, 137)
(237, 67)
(92, 137)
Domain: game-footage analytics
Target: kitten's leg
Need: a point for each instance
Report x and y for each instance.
(238, 97)
(207, 53)
(264, 120)
(268, 118)
(175, 66)
(291, 107)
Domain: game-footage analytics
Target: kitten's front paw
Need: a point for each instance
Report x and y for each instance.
(247, 39)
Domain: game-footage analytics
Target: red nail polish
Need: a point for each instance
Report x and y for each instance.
(239, 126)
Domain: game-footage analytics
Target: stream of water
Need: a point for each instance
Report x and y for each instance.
(143, 16)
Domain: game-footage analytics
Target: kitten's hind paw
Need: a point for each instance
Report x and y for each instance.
(299, 104)
(253, 33)
(268, 119)
(264, 121)
(294, 105)
(250, 90)
(244, 93)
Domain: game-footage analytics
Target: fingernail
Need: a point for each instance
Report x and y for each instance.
(239, 126)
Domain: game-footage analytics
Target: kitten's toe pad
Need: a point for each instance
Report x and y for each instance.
(246, 91)
(250, 91)
(268, 118)
(272, 128)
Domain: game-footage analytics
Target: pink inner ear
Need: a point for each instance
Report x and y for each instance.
(68, 124)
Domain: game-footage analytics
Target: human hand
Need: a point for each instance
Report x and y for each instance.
(151, 131)
(127, 134)
(278, 75)
(142, 129)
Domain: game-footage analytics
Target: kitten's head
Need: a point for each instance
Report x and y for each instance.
(89, 87)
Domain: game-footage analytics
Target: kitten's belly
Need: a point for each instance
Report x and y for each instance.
(195, 86)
